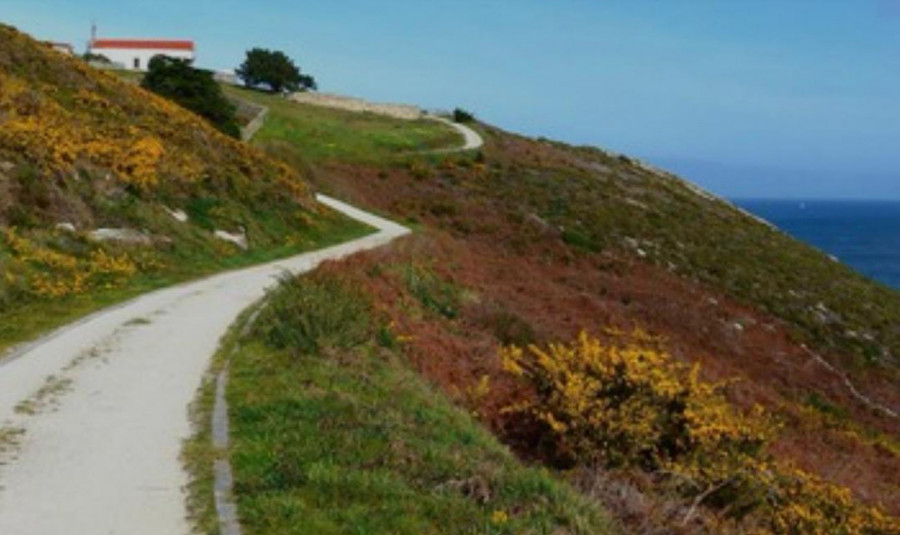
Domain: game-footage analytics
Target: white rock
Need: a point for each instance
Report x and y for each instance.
(636, 204)
(68, 227)
(124, 235)
(238, 239)
(177, 215)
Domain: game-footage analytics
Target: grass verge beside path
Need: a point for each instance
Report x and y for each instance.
(30, 320)
(332, 433)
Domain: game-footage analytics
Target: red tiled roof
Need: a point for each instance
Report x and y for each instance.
(151, 44)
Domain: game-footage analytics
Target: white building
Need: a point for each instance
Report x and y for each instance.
(135, 54)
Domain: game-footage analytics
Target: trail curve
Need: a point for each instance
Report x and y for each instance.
(92, 418)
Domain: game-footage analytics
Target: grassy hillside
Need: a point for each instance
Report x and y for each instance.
(333, 433)
(311, 135)
(604, 201)
(530, 241)
(596, 204)
(81, 150)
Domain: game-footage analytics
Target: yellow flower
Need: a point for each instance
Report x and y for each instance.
(499, 518)
(622, 400)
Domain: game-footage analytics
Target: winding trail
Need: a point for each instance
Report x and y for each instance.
(473, 139)
(92, 417)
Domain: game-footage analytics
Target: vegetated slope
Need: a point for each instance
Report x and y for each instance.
(311, 134)
(532, 241)
(81, 150)
(332, 432)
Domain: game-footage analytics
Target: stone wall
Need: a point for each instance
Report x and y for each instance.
(398, 111)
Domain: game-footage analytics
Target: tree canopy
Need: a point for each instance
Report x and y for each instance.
(194, 89)
(273, 69)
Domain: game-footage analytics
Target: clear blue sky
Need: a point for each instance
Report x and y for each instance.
(788, 98)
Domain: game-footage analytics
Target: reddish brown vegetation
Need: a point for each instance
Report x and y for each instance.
(521, 283)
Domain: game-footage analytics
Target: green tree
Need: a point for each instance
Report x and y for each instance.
(273, 69)
(462, 116)
(194, 89)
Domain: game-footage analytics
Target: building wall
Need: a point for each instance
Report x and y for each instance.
(127, 58)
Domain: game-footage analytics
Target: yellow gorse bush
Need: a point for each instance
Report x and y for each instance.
(802, 503)
(94, 119)
(111, 266)
(56, 138)
(622, 401)
(139, 167)
(499, 518)
(40, 128)
(56, 274)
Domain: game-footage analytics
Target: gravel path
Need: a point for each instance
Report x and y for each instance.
(93, 417)
(472, 138)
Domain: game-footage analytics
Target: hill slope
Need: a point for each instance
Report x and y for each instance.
(104, 186)
(363, 443)
(531, 241)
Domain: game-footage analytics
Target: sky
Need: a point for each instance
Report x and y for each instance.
(748, 98)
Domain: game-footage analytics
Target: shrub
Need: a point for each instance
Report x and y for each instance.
(47, 273)
(57, 116)
(140, 165)
(307, 315)
(462, 116)
(801, 503)
(622, 401)
(194, 89)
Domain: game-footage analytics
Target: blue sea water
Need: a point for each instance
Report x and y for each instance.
(862, 234)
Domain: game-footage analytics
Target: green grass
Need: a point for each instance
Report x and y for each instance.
(184, 262)
(344, 438)
(322, 134)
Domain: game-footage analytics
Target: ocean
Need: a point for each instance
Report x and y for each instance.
(862, 234)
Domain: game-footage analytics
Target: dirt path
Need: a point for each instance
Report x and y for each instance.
(92, 418)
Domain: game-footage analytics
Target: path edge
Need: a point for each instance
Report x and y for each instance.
(224, 503)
